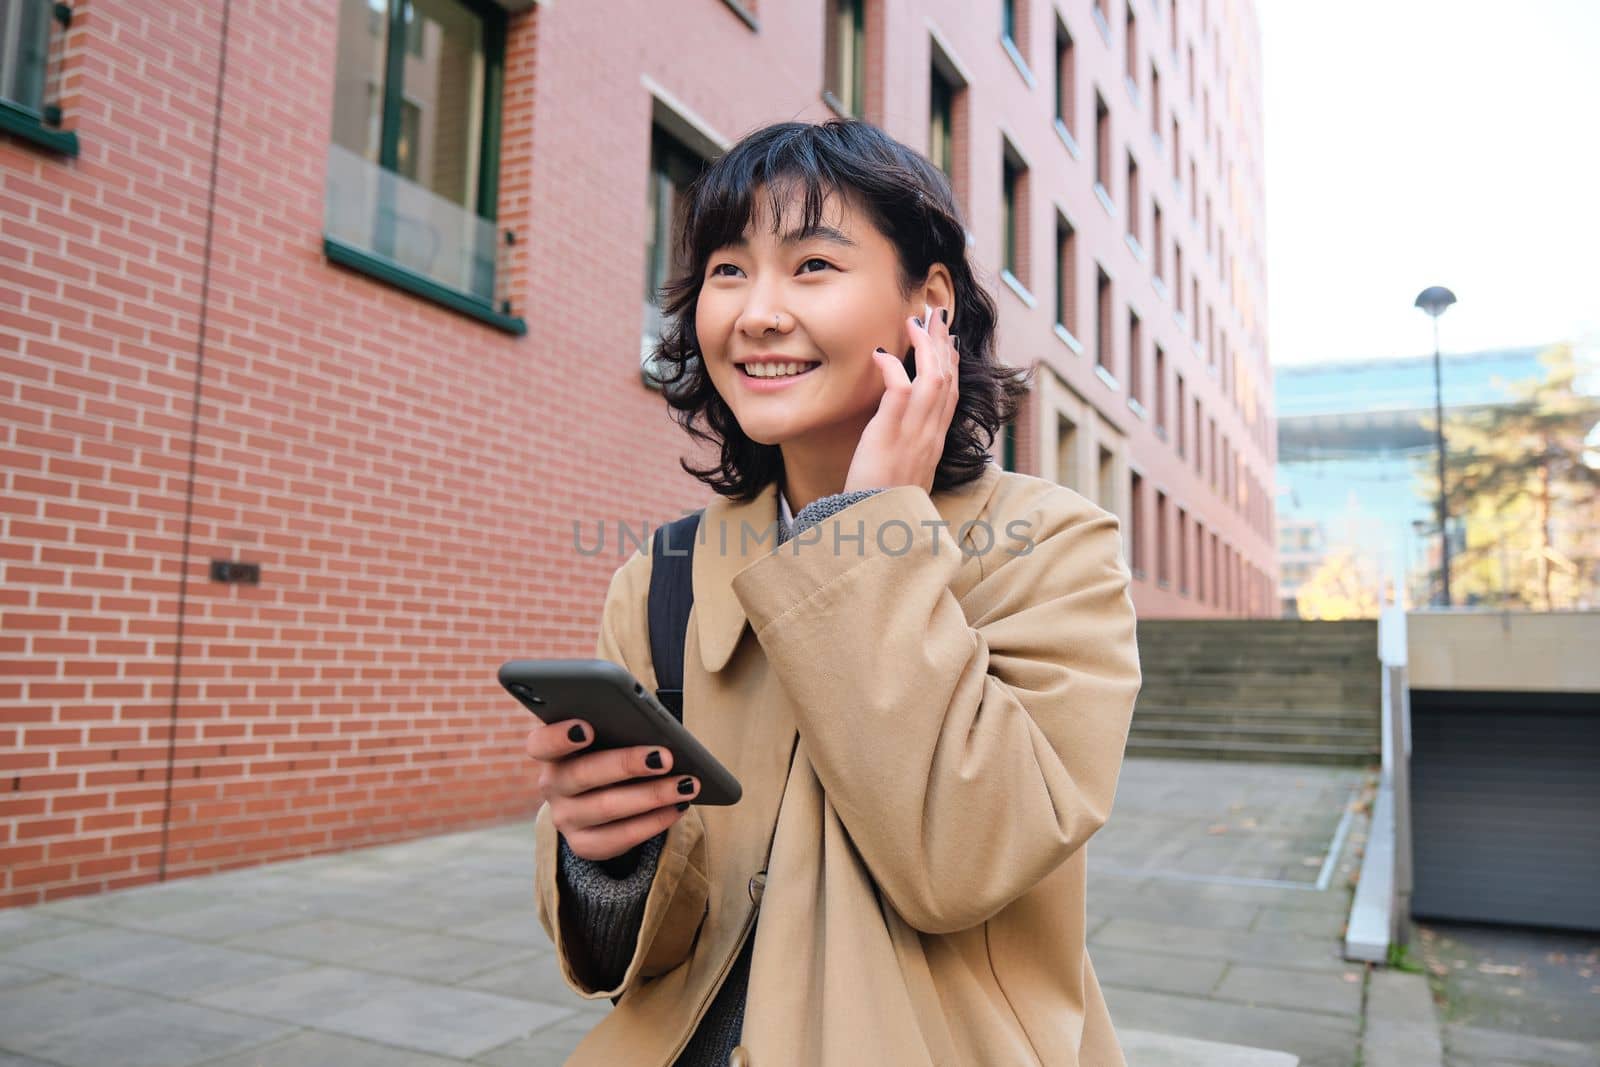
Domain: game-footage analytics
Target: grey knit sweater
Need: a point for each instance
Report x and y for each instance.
(604, 901)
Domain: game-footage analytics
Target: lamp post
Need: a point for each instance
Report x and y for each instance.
(1434, 300)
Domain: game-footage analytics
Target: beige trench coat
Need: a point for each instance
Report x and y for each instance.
(961, 714)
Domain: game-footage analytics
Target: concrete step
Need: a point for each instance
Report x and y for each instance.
(1179, 695)
(1324, 630)
(1299, 733)
(1257, 752)
(1350, 718)
(1266, 654)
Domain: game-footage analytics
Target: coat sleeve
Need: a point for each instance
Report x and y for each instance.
(969, 748)
(676, 903)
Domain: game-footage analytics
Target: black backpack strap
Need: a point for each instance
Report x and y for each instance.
(671, 597)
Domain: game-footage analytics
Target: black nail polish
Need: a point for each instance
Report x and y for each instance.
(686, 786)
(653, 761)
(684, 806)
(576, 733)
(918, 321)
(944, 316)
(880, 348)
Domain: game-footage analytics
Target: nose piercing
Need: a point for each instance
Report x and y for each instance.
(775, 325)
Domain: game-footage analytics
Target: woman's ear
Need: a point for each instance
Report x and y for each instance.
(939, 291)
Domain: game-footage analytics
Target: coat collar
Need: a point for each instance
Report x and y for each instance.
(721, 552)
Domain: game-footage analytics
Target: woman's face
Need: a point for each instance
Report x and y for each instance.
(823, 300)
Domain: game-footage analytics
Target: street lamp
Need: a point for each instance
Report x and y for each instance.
(1434, 300)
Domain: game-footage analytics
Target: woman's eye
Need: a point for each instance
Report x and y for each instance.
(716, 271)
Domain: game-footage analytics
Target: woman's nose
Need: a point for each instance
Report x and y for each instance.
(758, 320)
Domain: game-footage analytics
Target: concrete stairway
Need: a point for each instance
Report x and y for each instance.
(1276, 690)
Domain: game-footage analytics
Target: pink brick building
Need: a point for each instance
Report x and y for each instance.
(320, 326)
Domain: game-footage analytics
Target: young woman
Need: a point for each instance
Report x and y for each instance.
(924, 685)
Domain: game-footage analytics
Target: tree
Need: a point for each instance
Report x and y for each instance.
(1338, 589)
(1525, 488)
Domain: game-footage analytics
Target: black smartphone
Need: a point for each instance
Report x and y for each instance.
(622, 713)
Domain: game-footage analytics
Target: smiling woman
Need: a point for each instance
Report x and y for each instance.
(925, 694)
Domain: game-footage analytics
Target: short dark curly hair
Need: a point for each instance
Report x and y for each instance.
(910, 202)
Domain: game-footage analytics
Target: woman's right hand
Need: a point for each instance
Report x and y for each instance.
(594, 799)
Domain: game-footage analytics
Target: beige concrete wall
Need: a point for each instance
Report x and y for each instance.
(1547, 652)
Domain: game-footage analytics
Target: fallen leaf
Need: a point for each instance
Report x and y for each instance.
(1500, 968)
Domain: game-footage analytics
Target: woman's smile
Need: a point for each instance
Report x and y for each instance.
(766, 375)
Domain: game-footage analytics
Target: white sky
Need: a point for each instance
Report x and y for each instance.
(1412, 143)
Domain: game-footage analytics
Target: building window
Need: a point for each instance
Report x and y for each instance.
(1199, 439)
(1102, 145)
(1191, 72)
(1107, 475)
(1211, 451)
(1177, 275)
(1194, 186)
(30, 72)
(1131, 42)
(845, 54)
(1155, 100)
(1163, 566)
(1102, 341)
(1194, 293)
(1136, 525)
(1135, 359)
(1183, 552)
(947, 125)
(1133, 198)
(941, 123)
(1177, 168)
(1067, 469)
(1014, 214)
(1066, 276)
(673, 166)
(1066, 81)
(1161, 392)
(414, 162)
(1158, 239)
(1183, 418)
(1200, 561)
(1228, 471)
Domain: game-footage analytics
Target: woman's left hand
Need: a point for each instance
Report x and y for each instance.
(904, 442)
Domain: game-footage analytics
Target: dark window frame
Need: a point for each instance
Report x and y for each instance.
(377, 261)
(848, 100)
(30, 115)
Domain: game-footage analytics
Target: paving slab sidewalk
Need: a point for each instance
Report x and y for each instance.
(1218, 894)
(1208, 930)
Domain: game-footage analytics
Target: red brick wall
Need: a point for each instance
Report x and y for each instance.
(406, 477)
